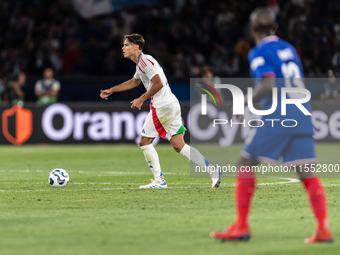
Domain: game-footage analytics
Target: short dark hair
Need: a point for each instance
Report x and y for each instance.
(262, 19)
(136, 39)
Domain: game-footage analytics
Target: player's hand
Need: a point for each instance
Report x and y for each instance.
(137, 103)
(105, 93)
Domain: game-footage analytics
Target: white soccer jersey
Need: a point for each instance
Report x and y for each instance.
(146, 69)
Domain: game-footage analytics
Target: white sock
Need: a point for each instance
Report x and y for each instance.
(194, 155)
(152, 160)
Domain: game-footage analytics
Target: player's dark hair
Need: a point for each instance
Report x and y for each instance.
(262, 20)
(136, 39)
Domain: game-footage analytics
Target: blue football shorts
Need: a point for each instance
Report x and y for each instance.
(267, 147)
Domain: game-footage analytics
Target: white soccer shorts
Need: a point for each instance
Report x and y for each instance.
(164, 122)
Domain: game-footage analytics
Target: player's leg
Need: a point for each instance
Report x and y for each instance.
(151, 156)
(191, 153)
(318, 203)
(260, 145)
(177, 142)
(301, 153)
(175, 133)
(244, 190)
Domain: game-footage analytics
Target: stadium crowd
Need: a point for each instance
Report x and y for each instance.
(183, 35)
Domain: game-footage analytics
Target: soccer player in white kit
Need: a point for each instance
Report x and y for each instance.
(164, 118)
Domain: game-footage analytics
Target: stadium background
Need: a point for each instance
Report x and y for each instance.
(182, 35)
(102, 210)
(82, 40)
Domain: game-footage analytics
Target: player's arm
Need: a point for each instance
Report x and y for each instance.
(156, 86)
(130, 84)
(264, 88)
(261, 68)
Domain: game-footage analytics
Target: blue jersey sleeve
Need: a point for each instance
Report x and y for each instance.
(259, 65)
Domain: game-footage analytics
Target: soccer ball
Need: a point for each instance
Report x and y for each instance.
(58, 178)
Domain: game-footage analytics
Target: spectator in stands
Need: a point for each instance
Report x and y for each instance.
(47, 88)
(336, 60)
(14, 92)
(208, 78)
(331, 88)
(2, 88)
(36, 34)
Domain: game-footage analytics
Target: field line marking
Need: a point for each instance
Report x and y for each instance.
(90, 172)
(290, 180)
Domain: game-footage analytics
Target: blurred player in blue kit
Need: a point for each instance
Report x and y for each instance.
(164, 118)
(275, 63)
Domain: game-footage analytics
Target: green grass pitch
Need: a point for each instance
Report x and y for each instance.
(102, 211)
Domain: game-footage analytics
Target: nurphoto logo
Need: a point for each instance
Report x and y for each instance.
(293, 96)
